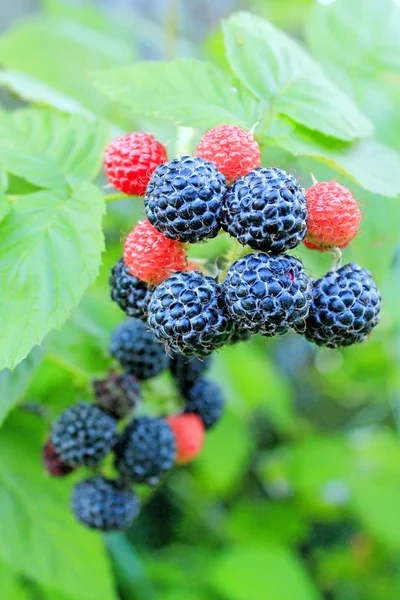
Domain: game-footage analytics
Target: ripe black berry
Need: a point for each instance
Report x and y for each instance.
(134, 346)
(184, 199)
(345, 307)
(205, 399)
(83, 434)
(104, 504)
(146, 450)
(266, 210)
(188, 369)
(130, 293)
(268, 294)
(118, 394)
(188, 313)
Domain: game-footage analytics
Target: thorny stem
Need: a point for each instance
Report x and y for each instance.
(337, 258)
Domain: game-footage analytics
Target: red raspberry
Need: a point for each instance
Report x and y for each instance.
(130, 160)
(232, 149)
(333, 216)
(189, 434)
(52, 462)
(151, 256)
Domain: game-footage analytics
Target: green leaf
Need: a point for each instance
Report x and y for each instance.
(372, 165)
(11, 586)
(14, 383)
(278, 71)
(50, 249)
(34, 91)
(189, 92)
(5, 207)
(360, 38)
(259, 384)
(267, 571)
(60, 52)
(219, 470)
(40, 538)
(19, 156)
(75, 143)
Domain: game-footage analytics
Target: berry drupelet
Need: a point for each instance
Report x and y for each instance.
(146, 450)
(129, 161)
(83, 435)
(345, 307)
(184, 199)
(266, 210)
(188, 313)
(104, 504)
(205, 400)
(130, 293)
(134, 346)
(118, 394)
(268, 294)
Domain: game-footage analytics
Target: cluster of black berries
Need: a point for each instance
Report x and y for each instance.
(178, 315)
(265, 292)
(144, 447)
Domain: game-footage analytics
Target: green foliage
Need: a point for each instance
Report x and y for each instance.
(38, 532)
(244, 571)
(188, 92)
(297, 491)
(279, 72)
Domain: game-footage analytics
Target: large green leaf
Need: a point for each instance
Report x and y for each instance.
(14, 383)
(50, 248)
(12, 587)
(32, 90)
(369, 163)
(267, 571)
(60, 52)
(277, 70)
(75, 143)
(360, 38)
(188, 92)
(40, 538)
(218, 470)
(21, 157)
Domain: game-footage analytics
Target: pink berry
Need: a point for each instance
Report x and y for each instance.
(130, 160)
(189, 434)
(234, 150)
(333, 216)
(151, 256)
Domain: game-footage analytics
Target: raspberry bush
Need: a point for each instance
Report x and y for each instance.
(229, 415)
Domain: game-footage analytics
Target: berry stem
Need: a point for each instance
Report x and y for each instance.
(184, 140)
(313, 178)
(81, 378)
(337, 258)
(116, 196)
(171, 29)
(230, 258)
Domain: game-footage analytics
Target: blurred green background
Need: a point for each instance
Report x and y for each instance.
(297, 493)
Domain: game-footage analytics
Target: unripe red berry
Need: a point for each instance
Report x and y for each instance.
(189, 433)
(151, 256)
(52, 462)
(333, 216)
(129, 161)
(232, 149)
